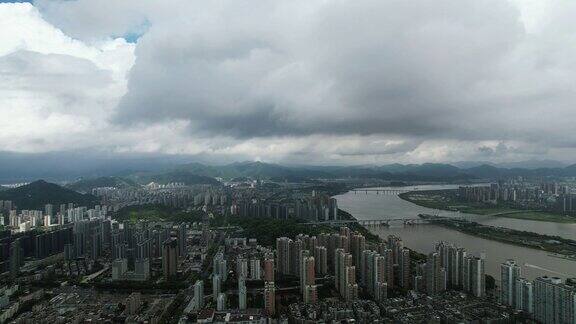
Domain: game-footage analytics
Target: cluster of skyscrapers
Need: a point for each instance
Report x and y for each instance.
(546, 299)
(551, 196)
(314, 207)
(79, 232)
(377, 268)
(353, 262)
(503, 191)
(173, 195)
(245, 270)
(26, 220)
(451, 267)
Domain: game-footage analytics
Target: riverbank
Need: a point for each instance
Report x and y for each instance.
(548, 243)
(444, 200)
(534, 262)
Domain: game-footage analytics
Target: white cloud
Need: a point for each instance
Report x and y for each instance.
(55, 91)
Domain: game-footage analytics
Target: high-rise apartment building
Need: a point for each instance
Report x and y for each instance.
(295, 247)
(269, 268)
(216, 285)
(310, 294)
(452, 260)
(351, 287)
(199, 295)
(509, 275)
(221, 302)
(283, 255)
(405, 271)
(374, 274)
(241, 268)
(255, 269)
(388, 266)
(396, 245)
(357, 246)
(433, 275)
(220, 267)
(554, 301)
(270, 298)
(524, 296)
(308, 280)
(242, 298)
(345, 275)
(474, 276)
(321, 258)
(182, 236)
(169, 258)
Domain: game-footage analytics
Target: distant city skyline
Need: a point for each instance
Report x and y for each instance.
(299, 82)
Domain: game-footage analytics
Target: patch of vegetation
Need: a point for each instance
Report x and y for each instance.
(541, 216)
(158, 213)
(418, 257)
(447, 200)
(490, 282)
(266, 230)
(436, 199)
(549, 243)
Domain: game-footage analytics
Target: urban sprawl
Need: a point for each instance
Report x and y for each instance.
(70, 263)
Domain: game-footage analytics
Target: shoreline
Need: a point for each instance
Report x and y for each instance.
(506, 239)
(561, 247)
(498, 212)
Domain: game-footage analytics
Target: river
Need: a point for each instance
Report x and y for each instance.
(423, 237)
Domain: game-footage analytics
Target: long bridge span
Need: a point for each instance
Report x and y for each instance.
(377, 222)
(383, 191)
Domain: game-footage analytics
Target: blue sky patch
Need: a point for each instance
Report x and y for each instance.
(136, 33)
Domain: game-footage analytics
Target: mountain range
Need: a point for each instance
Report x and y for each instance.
(528, 164)
(89, 172)
(407, 172)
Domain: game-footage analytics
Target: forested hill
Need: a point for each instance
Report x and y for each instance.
(39, 193)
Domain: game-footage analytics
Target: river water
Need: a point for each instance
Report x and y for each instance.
(422, 238)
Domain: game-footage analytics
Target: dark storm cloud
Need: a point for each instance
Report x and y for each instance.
(368, 67)
(422, 79)
(434, 70)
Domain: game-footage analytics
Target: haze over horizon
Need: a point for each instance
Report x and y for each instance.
(309, 82)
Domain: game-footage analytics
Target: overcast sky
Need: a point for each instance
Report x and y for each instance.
(295, 81)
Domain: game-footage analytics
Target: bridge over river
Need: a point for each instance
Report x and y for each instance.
(387, 191)
(378, 222)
